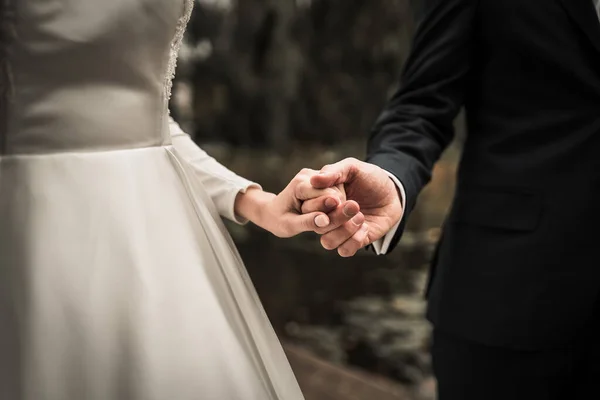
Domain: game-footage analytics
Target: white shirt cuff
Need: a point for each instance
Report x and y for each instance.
(382, 245)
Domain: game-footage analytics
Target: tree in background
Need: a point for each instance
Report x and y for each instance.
(273, 73)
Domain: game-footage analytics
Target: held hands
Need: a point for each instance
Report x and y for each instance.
(350, 203)
(283, 215)
(370, 187)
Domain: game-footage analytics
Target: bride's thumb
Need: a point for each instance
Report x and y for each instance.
(313, 222)
(320, 220)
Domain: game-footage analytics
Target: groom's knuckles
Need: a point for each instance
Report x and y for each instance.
(351, 209)
(344, 213)
(326, 243)
(355, 243)
(339, 236)
(335, 238)
(330, 240)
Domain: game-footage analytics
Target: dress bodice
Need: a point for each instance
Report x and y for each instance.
(91, 75)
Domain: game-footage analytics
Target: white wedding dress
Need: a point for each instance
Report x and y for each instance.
(118, 280)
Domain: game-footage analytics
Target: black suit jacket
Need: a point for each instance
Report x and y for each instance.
(518, 264)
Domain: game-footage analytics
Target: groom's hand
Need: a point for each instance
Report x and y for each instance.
(282, 214)
(377, 195)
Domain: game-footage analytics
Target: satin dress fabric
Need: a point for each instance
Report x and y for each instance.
(118, 279)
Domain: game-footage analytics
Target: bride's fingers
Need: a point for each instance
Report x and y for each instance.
(305, 191)
(296, 224)
(325, 204)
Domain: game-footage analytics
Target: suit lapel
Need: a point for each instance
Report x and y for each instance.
(585, 16)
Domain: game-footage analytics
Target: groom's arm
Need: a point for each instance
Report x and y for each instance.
(417, 122)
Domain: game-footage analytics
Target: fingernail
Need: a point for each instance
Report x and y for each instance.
(331, 202)
(358, 219)
(348, 211)
(321, 221)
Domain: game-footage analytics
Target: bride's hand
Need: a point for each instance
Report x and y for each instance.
(282, 214)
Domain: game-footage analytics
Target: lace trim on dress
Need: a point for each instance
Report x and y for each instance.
(175, 47)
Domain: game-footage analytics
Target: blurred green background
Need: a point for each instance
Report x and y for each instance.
(272, 86)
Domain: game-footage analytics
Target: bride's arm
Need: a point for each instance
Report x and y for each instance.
(241, 200)
(236, 198)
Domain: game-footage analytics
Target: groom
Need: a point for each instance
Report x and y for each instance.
(515, 282)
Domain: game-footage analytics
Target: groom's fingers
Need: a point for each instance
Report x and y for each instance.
(341, 215)
(359, 240)
(337, 237)
(324, 203)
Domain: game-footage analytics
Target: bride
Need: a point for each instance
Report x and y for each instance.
(118, 280)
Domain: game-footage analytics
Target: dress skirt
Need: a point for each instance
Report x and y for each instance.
(119, 281)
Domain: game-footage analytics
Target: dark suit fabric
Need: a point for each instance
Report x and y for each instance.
(518, 264)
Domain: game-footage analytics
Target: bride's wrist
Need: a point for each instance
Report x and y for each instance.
(253, 205)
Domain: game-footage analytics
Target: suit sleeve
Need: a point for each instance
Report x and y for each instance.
(416, 125)
(221, 184)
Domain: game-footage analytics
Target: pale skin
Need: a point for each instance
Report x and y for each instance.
(283, 215)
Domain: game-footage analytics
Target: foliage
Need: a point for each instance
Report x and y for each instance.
(279, 72)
